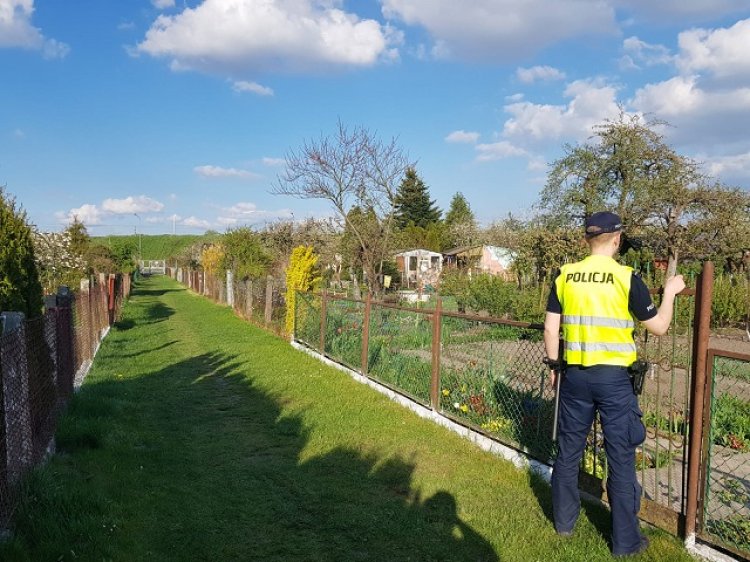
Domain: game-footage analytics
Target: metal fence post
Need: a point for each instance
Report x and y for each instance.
(323, 311)
(16, 406)
(701, 331)
(366, 334)
(436, 336)
(65, 343)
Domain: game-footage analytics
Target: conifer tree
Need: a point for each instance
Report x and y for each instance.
(459, 211)
(413, 203)
(20, 288)
(460, 222)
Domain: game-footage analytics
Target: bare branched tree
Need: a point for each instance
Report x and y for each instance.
(352, 169)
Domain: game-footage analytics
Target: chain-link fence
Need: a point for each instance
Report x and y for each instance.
(485, 373)
(492, 378)
(41, 361)
(725, 514)
(400, 349)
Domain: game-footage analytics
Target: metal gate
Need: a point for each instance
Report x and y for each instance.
(724, 509)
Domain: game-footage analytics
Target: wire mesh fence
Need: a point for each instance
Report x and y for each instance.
(41, 361)
(400, 350)
(260, 301)
(307, 314)
(492, 378)
(726, 494)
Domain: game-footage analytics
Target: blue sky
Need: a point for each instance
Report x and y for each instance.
(176, 114)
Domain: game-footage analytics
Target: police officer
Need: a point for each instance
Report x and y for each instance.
(595, 302)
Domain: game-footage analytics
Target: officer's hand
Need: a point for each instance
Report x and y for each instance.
(552, 377)
(674, 285)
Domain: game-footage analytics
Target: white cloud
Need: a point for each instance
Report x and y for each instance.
(163, 4)
(249, 213)
(682, 9)
(676, 96)
(699, 116)
(501, 29)
(129, 205)
(724, 53)
(53, 49)
(591, 102)
(273, 162)
(639, 53)
(209, 171)
(733, 166)
(531, 75)
(683, 96)
(462, 137)
(708, 101)
(241, 209)
(88, 214)
(252, 87)
(250, 35)
(19, 134)
(16, 30)
(227, 221)
(537, 164)
(126, 26)
(498, 151)
(195, 222)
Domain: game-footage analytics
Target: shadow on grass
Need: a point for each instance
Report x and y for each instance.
(596, 514)
(140, 290)
(195, 462)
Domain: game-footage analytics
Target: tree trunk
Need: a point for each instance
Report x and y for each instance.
(355, 284)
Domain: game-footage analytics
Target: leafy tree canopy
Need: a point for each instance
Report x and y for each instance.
(244, 254)
(628, 168)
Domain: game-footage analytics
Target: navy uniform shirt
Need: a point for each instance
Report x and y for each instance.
(639, 300)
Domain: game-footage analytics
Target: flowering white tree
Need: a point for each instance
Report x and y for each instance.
(58, 262)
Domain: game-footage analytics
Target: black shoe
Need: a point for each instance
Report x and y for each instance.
(644, 545)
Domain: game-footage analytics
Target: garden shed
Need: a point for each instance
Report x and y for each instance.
(481, 259)
(419, 268)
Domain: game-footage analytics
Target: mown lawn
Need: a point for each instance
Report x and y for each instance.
(200, 437)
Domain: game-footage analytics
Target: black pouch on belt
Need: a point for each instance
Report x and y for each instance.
(637, 372)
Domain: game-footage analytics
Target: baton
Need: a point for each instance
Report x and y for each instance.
(555, 421)
(556, 366)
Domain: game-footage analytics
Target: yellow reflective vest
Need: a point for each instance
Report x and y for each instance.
(596, 322)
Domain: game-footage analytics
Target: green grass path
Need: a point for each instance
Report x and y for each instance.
(199, 437)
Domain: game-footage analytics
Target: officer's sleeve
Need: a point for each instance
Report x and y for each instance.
(639, 300)
(553, 302)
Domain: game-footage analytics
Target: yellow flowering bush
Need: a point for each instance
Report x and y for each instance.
(301, 275)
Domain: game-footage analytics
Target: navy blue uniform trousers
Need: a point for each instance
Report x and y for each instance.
(583, 391)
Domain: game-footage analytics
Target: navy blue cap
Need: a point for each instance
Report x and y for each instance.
(603, 222)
